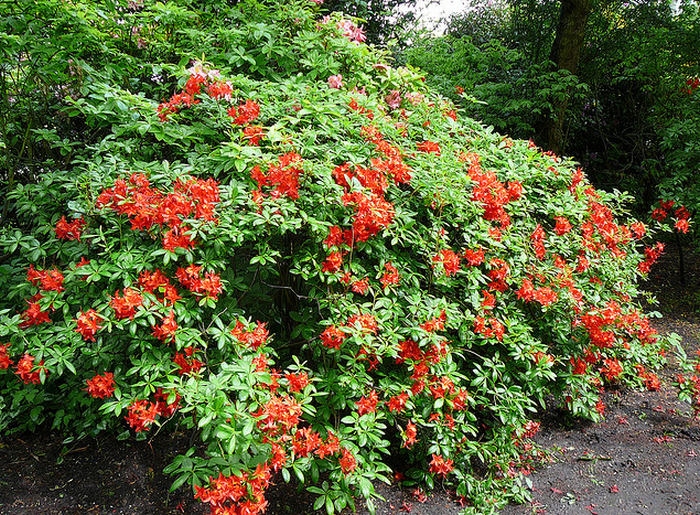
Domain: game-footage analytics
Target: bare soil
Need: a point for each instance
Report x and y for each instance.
(644, 458)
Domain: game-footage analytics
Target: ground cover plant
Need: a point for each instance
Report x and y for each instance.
(308, 259)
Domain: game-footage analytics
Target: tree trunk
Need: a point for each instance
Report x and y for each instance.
(565, 54)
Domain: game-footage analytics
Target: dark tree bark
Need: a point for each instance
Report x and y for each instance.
(565, 54)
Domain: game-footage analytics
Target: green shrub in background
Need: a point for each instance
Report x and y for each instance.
(497, 85)
(308, 258)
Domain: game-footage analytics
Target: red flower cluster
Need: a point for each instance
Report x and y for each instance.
(372, 214)
(438, 465)
(545, 296)
(329, 447)
(215, 89)
(365, 321)
(611, 369)
(390, 276)
(498, 274)
(125, 306)
(372, 211)
(237, 495)
(297, 382)
(397, 403)
(245, 113)
(490, 328)
(474, 257)
(596, 326)
(449, 261)
(188, 364)
(141, 415)
(209, 286)
(601, 326)
(157, 283)
(284, 176)
(360, 109)
(338, 237)
(101, 387)
(5, 360)
(347, 461)
(219, 90)
(333, 337)
(492, 194)
(563, 226)
(603, 223)
(651, 381)
(360, 286)
(372, 179)
(526, 291)
(69, 231)
(333, 262)
(410, 435)
(165, 332)
(30, 372)
(367, 404)
(442, 387)
(34, 314)
(691, 85)
(88, 324)
(172, 106)
(429, 147)
(147, 207)
(47, 280)
(638, 229)
(163, 407)
(253, 339)
(651, 254)
(538, 238)
(435, 324)
(489, 301)
(278, 416)
(305, 442)
(253, 134)
(681, 215)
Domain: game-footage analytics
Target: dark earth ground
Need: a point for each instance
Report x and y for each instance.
(644, 458)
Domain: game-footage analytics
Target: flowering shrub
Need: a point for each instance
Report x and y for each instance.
(314, 272)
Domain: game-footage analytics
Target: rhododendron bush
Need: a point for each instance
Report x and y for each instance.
(315, 268)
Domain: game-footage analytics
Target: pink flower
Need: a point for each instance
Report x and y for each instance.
(335, 81)
(351, 31)
(393, 99)
(414, 97)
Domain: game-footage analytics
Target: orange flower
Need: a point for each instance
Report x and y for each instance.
(438, 465)
(333, 337)
(101, 387)
(69, 231)
(125, 307)
(88, 324)
(5, 360)
(367, 404)
(141, 415)
(27, 370)
(410, 435)
(347, 461)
